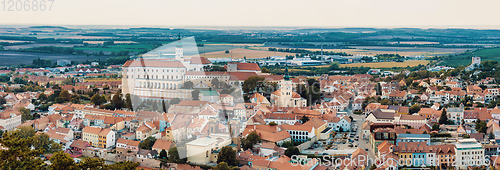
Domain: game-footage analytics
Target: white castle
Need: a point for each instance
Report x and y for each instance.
(160, 76)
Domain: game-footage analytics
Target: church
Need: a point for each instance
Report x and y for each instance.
(285, 96)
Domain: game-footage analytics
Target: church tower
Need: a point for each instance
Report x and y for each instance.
(179, 52)
(286, 90)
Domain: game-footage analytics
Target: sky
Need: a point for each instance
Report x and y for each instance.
(481, 14)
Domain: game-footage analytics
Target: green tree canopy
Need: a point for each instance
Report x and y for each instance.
(252, 139)
(41, 141)
(304, 119)
(195, 94)
(253, 83)
(65, 95)
(222, 166)
(25, 114)
(163, 154)
(227, 154)
(19, 154)
(414, 108)
(117, 101)
(96, 99)
(62, 161)
(25, 132)
(173, 156)
(292, 151)
(127, 165)
(92, 164)
(147, 143)
(128, 102)
(188, 85)
(444, 117)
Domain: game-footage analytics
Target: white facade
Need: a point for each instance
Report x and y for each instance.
(342, 123)
(286, 97)
(110, 139)
(469, 153)
(12, 122)
(456, 114)
(301, 135)
(431, 159)
(200, 150)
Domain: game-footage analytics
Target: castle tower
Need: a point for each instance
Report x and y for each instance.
(476, 60)
(179, 52)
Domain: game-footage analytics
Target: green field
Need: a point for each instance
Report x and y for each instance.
(119, 47)
(465, 58)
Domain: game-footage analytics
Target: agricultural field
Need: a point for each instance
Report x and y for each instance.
(464, 59)
(241, 53)
(117, 48)
(116, 42)
(10, 58)
(236, 45)
(414, 42)
(13, 41)
(374, 50)
(25, 46)
(214, 48)
(386, 64)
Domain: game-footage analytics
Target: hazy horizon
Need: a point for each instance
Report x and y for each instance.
(259, 13)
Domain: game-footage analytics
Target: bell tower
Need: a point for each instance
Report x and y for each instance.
(179, 52)
(286, 90)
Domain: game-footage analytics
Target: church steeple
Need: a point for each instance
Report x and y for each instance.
(179, 43)
(286, 77)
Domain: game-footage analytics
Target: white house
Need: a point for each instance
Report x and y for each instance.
(337, 123)
(381, 116)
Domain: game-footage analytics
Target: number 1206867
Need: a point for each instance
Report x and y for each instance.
(27, 5)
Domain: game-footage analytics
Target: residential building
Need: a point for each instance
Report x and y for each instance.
(203, 150)
(98, 137)
(469, 153)
(9, 119)
(163, 145)
(300, 133)
(425, 138)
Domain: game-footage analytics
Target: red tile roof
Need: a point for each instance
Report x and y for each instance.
(199, 60)
(248, 66)
(152, 63)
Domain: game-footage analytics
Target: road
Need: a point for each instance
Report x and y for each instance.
(363, 144)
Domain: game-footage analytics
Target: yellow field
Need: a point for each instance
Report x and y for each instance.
(239, 45)
(414, 42)
(116, 42)
(241, 52)
(386, 64)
